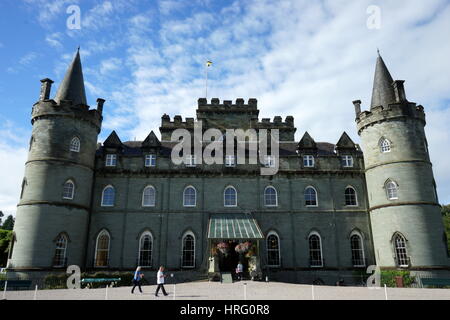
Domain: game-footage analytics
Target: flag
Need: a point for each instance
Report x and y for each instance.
(208, 63)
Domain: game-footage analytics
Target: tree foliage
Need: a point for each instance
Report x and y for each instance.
(5, 239)
(9, 223)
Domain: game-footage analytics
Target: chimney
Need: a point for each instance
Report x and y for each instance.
(399, 90)
(46, 86)
(100, 103)
(357, 104)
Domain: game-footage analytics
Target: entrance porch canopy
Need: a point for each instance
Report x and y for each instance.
(233, 226)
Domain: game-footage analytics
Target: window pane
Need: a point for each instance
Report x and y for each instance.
(310, 197)
(108, 196)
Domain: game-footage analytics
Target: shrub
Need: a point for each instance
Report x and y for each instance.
(388, 278)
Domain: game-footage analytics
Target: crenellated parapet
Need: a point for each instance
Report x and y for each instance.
(391, 112)
(226, 106)
(277, 123)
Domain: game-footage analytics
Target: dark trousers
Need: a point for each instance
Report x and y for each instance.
(138, 284)
(161, 286)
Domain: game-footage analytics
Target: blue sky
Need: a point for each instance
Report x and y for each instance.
(309, 59)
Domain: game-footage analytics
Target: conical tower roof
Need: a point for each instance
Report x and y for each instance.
(72, 86)
(383, 91)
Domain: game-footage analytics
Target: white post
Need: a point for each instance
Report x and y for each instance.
(206, 84)
(4, 291)
(245, 291)
(385, 292)
(174, 291)
(312, 292)
(35, 292)
(106, 292)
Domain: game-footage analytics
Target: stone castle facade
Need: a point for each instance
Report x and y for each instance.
(329, 211)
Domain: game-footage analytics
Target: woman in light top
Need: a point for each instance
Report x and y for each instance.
(138, 275)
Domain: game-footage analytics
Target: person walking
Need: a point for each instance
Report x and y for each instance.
(160, 281)
(138, 275)
(239, 270)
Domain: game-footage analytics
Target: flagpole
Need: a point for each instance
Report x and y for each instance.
(206, 83)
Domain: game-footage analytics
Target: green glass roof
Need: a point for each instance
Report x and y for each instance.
(233, 226)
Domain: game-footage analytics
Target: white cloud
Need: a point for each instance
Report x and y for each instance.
(54, 40)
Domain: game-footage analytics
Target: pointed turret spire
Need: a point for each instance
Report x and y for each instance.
(72, 86)
(383, 90)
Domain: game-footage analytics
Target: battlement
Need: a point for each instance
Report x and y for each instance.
(215, 104)
(177, 122)
(393, 111)
(277, 122)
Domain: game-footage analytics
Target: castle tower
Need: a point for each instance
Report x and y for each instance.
(53, 211)
(405, 214)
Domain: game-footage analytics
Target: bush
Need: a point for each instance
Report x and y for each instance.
(388, 278)
(56, 281)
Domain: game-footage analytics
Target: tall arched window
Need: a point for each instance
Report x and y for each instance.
(385, 145)
(188, 251)
(357, 247)
(149, 197)
(68, 190)
(350, 197)
(145, 249)
(401, 253)
(230, 197)
(102, 249)
(60, 251)
(310, 196)
(108, 196)
(315, 250)
(75, 144)
(189, 197)
(391, 190)
(273, 250)
(270, 197)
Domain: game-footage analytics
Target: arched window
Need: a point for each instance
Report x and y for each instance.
(75, 144)
(357, 250)
(385, 145)
(350, 197)
(230, 197)
(190, 197)
(68, 190)
(24, 184)
(270, 197)
(315, 250)
(145, 249)
(102, 249)
(188, 251)
(273, 250)
(310, 196)
(401, 254)
(391, 190)
(60, 251)
(149, 197)
(108, 196)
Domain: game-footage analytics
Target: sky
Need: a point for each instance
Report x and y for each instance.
(308, 59)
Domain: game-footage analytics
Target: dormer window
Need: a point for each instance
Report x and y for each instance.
(111, 160)
(230, 161)
(150, 160)
(308, 161)
(347, 161)
(190, 160)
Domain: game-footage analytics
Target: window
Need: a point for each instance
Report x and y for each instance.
(68, 190)
(401, 254)
(108, 196)
(270, 197)
(230, 197)
(150, 160)
(145, 249)
(350, 197)
(102, 250)
(149, 197)
(188, 254)
(111, 160)
(230, 161)
(315, 250)
(310, 197)
(60, 251)
(24, 184)
(31, 143)
(391, 190)
(269, 161)
(75, 144)
(190, 161)
(357, 251)
(308, 161)
(273, 250)
(189, 197)
(385, 145)
(347, 161)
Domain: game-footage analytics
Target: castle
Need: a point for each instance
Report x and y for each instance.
(330, 210)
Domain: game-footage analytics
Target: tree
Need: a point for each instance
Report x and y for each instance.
(5, 239)
(1, 216)
(9, 223)
(445, 210)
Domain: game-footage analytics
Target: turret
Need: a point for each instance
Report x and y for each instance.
(52, 215)
(404, 210)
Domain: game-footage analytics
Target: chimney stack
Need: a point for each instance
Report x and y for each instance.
(46, 86)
